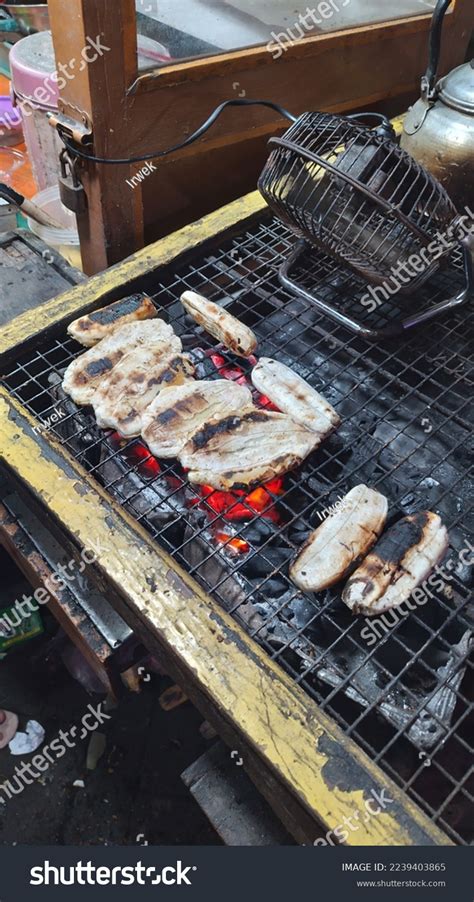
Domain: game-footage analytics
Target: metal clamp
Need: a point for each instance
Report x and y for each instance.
(80, 132)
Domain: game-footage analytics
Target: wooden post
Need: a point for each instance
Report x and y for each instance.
(96, 92)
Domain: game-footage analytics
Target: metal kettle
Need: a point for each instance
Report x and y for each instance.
(439, 128)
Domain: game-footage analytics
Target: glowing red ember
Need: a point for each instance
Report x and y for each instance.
(136, 454)
(149, 465)
(239, 505)
(227, 371)
(236, 544)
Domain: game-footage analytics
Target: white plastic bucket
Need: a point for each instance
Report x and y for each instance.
(64, 240)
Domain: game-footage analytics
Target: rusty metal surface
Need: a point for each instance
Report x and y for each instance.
(81, 592)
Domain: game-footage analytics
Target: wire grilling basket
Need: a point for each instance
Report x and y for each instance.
(355, 194)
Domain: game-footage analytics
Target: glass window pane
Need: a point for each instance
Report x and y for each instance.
(173, 30)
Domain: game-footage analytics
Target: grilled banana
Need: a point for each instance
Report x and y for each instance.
(221, 324)
(294, 396)
(90, 329)
(341, 541)
(400, 561)
(87, 372)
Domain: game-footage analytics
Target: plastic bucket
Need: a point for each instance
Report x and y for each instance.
(64, 240)
(35, 91)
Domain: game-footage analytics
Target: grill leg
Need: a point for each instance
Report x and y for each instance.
(394, 329)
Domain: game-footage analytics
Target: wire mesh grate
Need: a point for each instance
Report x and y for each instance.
(406, 695)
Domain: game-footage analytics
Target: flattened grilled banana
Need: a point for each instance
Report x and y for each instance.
(135, 382)
(87, 372)
(178, 413)
(221, 324)
(241, 451)
(341, 541)
(294, 396)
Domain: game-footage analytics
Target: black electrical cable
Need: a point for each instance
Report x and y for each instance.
(107, 161)
(192, 138)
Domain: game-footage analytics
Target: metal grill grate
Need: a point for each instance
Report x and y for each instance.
(406, 698)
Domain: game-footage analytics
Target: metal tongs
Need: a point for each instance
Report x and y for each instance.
(28, 207)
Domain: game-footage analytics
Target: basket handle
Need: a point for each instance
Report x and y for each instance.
(429, 79)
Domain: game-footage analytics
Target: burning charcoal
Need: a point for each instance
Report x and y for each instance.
(210, 570)
(258, 531)
(189, 345)
(299, 535)
(133, 476)
(465, 571)
(274, 587)
(205, 368)
(269, 559)
(299, 610)
(251, 621)
(435, 718)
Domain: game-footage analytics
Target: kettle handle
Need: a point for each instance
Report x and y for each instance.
(429, 79)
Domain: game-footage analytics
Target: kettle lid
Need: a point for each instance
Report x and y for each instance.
(457, 88)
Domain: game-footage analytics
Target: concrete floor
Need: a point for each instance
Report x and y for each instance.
(135, 795)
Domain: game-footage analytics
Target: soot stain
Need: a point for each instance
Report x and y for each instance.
(151, 582)
(344, 773)
(179, 584)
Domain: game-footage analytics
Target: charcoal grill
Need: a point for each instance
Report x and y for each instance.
(320, 715)
(355, 196)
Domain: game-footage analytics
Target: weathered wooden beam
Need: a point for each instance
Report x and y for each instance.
(112, 227)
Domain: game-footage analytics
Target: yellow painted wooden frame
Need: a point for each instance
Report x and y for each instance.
(311, 769)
